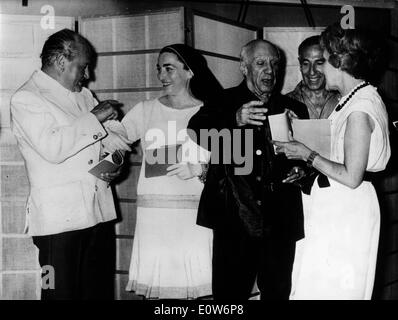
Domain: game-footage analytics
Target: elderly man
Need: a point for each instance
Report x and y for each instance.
(256, 218)
(59, 127)
(311, 90)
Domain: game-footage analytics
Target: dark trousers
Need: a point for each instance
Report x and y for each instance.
(83, 262)
(239, 259)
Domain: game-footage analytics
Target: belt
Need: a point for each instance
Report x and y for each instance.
(323, 181)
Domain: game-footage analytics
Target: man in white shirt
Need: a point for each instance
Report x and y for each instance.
(59, 127)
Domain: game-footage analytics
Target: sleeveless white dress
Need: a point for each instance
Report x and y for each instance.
(171, 256)
(337, 257)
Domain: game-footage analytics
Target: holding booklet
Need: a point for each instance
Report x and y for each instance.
(314, 133)
(111, 163)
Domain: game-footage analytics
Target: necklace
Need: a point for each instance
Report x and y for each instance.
(354, 91)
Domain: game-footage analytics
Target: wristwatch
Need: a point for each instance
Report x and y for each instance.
(311, 158)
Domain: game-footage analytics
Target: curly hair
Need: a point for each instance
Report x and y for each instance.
(360, 53)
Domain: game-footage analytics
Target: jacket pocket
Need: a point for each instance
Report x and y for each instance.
(60, 207)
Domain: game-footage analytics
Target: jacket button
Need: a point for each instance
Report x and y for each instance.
(258, 178)
(258, 202)
(96, 188)
(99, 134)
(90, 161)
(259, 152)
(95, 137)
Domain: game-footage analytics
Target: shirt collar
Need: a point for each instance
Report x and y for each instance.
(53, 85)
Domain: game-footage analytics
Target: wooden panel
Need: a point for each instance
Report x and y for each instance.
(14, 182)
(135, 32)
(124, 71)
(165, 28)
(127, 189)
(128, 213)
(8, 143)
(99, 32)
(103, 74)
(14, 72)
(134, 76)
(123, 254)
(19, 254)
(12, 216)
(225, 38)
(20, 286)
(5, 109)
(130, 33)
(226, 71)
(291, 78)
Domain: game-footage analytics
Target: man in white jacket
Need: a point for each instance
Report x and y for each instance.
(59, 128)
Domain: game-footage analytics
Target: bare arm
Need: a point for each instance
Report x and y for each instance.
(356, 152)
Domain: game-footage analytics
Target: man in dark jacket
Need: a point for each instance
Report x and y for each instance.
(256, 217)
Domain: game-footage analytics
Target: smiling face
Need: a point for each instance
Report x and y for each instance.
(171, 72)
(311, 67)
(75, 72)
(260, 68)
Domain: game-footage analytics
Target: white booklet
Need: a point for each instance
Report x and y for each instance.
(111, 163)
(314, 133)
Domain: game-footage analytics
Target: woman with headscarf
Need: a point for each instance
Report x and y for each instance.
(337, 257)
(171, 256)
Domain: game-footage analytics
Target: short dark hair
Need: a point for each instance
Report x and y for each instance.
(310, 41)
(67, 43)
(357, 52)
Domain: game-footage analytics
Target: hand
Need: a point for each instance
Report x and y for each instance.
(291, 115)
(247, 114)
(110, 176)
(184, 171)
(105, 110)
(292, 149)
(114, 141)
(296, 173)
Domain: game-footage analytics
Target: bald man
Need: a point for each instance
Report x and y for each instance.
(256, 218)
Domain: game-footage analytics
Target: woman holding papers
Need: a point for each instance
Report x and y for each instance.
(337, 258)
(172, 256)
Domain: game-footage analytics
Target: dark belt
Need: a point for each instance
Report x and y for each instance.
(323, 181)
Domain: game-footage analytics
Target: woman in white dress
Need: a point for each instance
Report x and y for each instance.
(337, 257)
(171, 256)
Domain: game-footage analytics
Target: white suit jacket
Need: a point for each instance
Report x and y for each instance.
(60, 141)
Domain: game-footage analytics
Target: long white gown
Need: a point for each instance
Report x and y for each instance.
(171, 256)
(337, 257)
